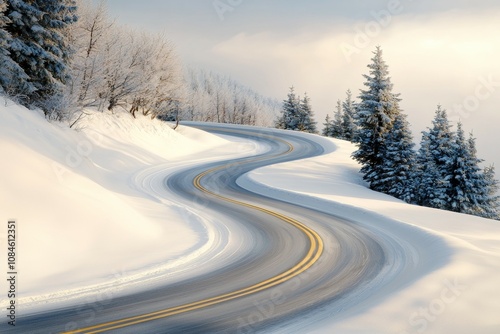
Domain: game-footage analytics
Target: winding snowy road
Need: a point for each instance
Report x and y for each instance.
(290, 262)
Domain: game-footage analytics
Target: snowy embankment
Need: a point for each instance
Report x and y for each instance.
(459, 288)
(91, 210)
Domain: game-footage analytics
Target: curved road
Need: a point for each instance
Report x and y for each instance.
(295, 260)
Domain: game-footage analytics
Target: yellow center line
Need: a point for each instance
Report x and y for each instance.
(313, 254)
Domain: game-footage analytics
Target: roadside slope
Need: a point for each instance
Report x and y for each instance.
(86, 218)
(461, 296)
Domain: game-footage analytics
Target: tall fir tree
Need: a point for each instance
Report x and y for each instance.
(327, 127)
(435, 163)
(39, 45)
(289, 118)
(296, 114)
(492, 206)
(12, 76)
(396, 177)
(483, 194)
(337, 129)
(59, 14)
(306, 116)
(471, 189)
(465, 181)
(348, 118)
(377, 111)
(424, 173)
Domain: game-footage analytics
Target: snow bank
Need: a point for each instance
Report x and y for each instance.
(458, 291)
(84, 217)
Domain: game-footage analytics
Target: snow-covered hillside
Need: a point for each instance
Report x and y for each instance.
(87, 212)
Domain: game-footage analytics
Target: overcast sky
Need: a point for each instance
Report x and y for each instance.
(439, 52)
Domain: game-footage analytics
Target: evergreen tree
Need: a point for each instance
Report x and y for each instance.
(337, 129)
(464, 177)
(377, 111)
(306, 116)
(58, 15)
(396, 177)
(296, 114)
(327, 127)
(484, 187)
(472, 191)
(39, 46)
(5, 60)
(492, 204)
(448, 174)
(348, 118)
(12, 77)
(435, 163)
(425, 173)
(290, 111)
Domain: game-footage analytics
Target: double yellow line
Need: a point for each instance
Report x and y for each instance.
(313, 254)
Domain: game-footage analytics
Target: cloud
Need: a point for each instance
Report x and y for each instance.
(433, 59)
(437, 51)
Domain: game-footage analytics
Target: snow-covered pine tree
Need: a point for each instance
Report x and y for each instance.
(377, 111)
(24, 47)
(327, 127)
(466, 182)
(424, 174)
(337, 129)
(492, 205)
(435, 162)
(396, 177)
(4, 36)
(348, 118)
(39, 45)
(306, 115)
(472, 190)
(12, 77)
(483, 186)
(290, 111)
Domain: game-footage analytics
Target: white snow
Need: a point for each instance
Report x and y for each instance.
(91, 208)
(458, 289)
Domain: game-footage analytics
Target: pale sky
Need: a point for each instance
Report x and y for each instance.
(438, 52)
